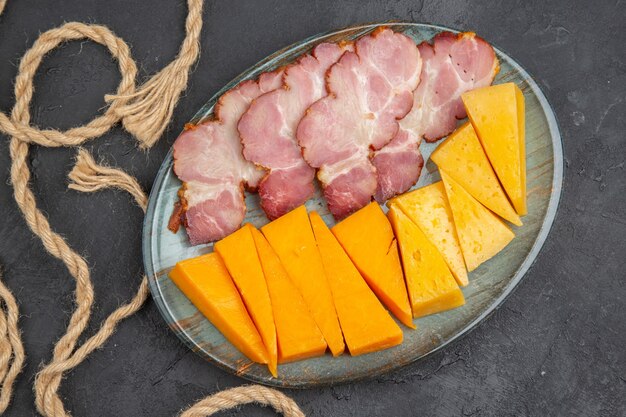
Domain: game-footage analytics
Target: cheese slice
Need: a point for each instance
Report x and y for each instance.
(366, 325)
(296, 332)
(428, 208)
(242, 261)
(430, 284)
(292, 239)
(462, 157)
(207, 284)
(497, 114)
(521, 129)
(368, 239)
(481, 233)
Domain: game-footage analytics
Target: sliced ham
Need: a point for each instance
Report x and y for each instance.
(452, 65)
(369, 89)
(268, 130)
(398, 165)
(208, 159)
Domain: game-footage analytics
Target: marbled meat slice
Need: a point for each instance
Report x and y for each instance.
(452, 65)
(268, 130)
(208, 160)
(369, 89)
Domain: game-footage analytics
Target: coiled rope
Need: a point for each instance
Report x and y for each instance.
(145, 113)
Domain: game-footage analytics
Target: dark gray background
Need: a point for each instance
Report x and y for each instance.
(555, 348)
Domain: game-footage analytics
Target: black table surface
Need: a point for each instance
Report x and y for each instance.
(557, 347)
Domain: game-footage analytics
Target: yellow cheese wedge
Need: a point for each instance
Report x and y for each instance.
(428, 208)
(497, 114)
(462, 157)
(242, 261)
(481, 233)
(431, 286)
(298, 335)
(368, 239)
(207, 284)
(366, 325)
(521, 129)
(292, 239)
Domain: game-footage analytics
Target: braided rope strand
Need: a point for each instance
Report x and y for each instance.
(234, 397)
(11, 350)
(147, 112)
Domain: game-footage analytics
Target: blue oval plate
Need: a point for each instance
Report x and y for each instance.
(489, 284)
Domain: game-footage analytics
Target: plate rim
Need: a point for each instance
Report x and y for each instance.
(511, 286)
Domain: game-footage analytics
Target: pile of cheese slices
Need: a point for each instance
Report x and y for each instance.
(296, 288)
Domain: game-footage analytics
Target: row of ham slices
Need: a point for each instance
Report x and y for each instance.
(353, 114)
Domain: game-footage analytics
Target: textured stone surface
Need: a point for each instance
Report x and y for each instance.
(555, 348)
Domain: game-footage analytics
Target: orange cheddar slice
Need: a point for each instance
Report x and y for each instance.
(462, 157)
(292, 239)
(481, 233)
(428, 208)
(431, 286)
(367, 326)
(298, 335)
(497, 114)
(207, 284)
(367, 238)
(242, 261)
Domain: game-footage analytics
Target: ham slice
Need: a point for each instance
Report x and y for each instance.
(452, 65)
(208, 159)
(268, 131)
(369, 89)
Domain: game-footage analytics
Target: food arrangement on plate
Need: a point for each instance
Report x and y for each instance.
(352, 203)
(353, 114)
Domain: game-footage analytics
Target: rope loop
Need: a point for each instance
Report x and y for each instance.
(18, 125)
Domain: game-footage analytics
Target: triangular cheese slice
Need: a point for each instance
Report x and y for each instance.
(368, 239)
(428, 208)
(497, 114)
(297, 334)
(240, 257)
(462, 156)
(292, 239)
(208, 285)
(481, 233)
(430, 284)
(366, 325)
